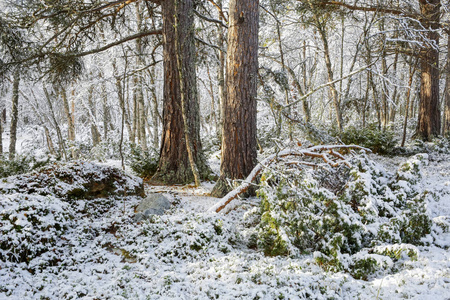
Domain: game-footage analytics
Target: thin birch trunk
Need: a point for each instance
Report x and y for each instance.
(95, 133)
(155, 115)
(14, 115)
(69, 119)
(412, 71)
(446, 122)
(326, 52)
(61, 143)
(220, 73)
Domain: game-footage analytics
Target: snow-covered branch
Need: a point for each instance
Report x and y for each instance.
(316, 152)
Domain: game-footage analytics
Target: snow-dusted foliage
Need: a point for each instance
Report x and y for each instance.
(93, 248)
(349, 225)
(31, 225)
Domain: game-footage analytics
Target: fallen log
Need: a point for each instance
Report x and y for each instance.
(316, 152)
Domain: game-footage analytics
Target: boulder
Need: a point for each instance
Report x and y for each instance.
(153, 204)
(75, 180)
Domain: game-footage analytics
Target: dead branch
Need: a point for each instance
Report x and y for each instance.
(315, 152)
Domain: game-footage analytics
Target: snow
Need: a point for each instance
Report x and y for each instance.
(189, 253)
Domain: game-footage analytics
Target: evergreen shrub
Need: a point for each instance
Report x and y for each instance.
(143, 163)
(21, 164)
(379, 141)
(302, 211)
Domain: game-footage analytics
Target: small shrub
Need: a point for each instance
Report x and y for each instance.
(379, 141)
(23, 163)
(19, 165)
(189, 235)
(143, 163)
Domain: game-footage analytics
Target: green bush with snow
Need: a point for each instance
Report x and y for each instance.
(143, 163)
(302, 211)
(377, 140)
(31, 225)
(189, 235)
(23, 163)
(38, 208)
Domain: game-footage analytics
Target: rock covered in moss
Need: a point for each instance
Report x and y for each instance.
(75, 180)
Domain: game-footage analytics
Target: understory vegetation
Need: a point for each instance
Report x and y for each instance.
(359, 220)
(360, 223)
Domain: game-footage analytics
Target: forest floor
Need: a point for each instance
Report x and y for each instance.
(190, 254)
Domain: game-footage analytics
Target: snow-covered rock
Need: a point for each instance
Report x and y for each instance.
(75, 180)
(154, 204)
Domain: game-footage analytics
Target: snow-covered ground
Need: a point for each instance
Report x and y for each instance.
(190, 254)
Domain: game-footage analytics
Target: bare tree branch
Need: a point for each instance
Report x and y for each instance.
(210, 19)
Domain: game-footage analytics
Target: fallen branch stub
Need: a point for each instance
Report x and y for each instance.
(315, 152)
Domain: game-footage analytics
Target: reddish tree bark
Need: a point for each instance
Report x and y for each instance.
(174, 166)
(429, 123)
(239, 146)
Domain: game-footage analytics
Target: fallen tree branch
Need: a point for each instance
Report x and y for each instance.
(315, 151)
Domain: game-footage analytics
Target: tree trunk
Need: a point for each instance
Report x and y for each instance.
(384, 87)
(1, 136)
(239, 146)
(220, 73)
(14, 115)
(429, 119)
(95, 133)
(326, 52)
(141, 116)
(48, 137)
(62, 146)
(179, 47)
(2, 121)
(446, 123)
(395, 96)
(121, 95)
(412, 71)
(139, 86)
(155, 114)
(135, 116)
(174, 165)
(70, 124)
(106, 116)
(305, 104)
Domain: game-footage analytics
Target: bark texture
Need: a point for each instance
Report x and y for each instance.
(220, 71)
(239, 146)
(174, 166)
(429, 122)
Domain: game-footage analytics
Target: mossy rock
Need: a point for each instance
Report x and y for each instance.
(75, 180)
